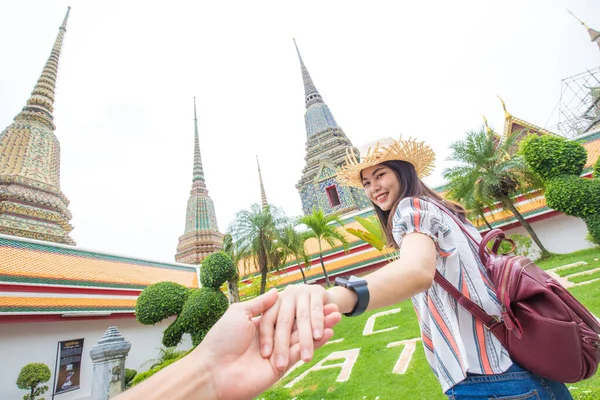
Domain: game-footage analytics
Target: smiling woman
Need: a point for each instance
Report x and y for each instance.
(467, 359)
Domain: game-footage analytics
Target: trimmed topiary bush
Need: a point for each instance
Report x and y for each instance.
(129, 375)
(30, 377)
(559, 163)
(202, 310)
(197, 310)
(552, 156)
(160, 301)
(216, 269)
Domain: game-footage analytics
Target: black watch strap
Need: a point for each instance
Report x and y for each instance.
(362, 292)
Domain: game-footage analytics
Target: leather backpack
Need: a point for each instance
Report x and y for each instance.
(543, 327)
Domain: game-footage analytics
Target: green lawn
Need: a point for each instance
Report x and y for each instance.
(372, 375)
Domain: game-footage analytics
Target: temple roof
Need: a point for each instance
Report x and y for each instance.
(44, 278)
(514, 124)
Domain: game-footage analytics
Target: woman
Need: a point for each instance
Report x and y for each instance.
(467, 359)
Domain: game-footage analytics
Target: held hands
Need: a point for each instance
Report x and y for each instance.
(297, 320)
(231, 347)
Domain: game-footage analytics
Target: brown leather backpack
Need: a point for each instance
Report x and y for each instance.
(543, 327)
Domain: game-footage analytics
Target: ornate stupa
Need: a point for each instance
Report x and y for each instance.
(201, 236)
(31, 202)
(326, 145)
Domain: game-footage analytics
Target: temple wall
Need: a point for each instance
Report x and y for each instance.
(559, 234)
(27, 342)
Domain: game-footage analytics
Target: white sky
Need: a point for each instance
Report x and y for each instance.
(129, 71)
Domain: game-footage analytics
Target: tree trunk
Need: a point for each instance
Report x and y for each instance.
(234, 293)
(323, 265)
(486, 221)
(263, 280)
(509, 204)
(302, 272)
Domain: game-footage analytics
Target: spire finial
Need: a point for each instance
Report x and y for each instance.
(263, 194)
(198, 170)
(506, 113)
(311, 93)
(487, 126)
(41, 101)
(594, 34)
(580, 21)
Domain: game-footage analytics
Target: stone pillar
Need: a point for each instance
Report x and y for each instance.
(108, 359)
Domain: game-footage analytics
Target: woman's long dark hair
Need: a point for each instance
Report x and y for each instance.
(410, 186)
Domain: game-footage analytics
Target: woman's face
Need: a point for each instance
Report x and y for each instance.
(381, 186)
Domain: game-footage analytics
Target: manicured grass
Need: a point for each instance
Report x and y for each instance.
(587, 255)
(585, 277)
(372, 374)
(573, 270)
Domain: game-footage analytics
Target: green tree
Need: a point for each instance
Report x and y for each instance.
(322, 228)
(232, 284)
(30, 378)
(254, 233)
(489, 168)
(291, 243)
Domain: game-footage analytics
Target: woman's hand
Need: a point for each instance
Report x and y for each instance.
(298, 308)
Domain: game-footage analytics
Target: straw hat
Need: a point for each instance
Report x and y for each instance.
(420, 155)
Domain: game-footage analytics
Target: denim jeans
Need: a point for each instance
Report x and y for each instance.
(514, 384)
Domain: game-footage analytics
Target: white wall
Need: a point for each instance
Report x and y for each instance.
(23, 343)
(559, 234)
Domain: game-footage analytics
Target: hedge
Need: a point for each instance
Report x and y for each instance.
(159, 301)
(551, 156)
(216, 269)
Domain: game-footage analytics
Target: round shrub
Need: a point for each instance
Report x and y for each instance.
(551, 156)
(593, 225)
(573, 195)
(159, 301)
(216, 269)
(31, 376)
(129, 375)
(202, 310)
(596, 169)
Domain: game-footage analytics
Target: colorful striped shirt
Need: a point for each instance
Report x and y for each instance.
(455, 342)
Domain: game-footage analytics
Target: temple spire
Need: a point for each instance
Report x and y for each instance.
(311, 93)
(198, 170)
(594, 34)
(41, 102)
(263, 194)
(201, 236)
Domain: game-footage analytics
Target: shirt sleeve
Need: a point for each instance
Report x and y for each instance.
(418, 215)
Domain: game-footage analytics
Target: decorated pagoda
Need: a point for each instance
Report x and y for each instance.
(326, 146)
(201, 236)
(31, 202)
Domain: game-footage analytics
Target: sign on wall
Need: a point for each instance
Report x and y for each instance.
(69, 365)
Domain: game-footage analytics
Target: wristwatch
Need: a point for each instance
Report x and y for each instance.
(359, 286)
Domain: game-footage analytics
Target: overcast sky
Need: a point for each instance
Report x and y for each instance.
(129, 71)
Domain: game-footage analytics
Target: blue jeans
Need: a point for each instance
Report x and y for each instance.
(514, 384)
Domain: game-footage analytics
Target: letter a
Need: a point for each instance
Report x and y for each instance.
(349, 357)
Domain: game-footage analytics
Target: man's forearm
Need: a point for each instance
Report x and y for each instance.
(188, 378)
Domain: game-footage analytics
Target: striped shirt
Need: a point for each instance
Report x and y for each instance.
(455, 342)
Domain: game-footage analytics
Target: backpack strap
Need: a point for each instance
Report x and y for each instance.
(490, 321)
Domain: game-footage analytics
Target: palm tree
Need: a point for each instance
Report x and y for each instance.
(291, 243)
(232, 284)
(254, 234)
(321, 227)
(489, 168)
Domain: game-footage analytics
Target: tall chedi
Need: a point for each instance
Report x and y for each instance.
(31, 202)
(326, 145)
(201, 236)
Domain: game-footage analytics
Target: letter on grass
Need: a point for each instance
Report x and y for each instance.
(405, 356)
(349, 358)
(370, 325)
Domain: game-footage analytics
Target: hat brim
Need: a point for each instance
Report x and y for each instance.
(420, 155)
